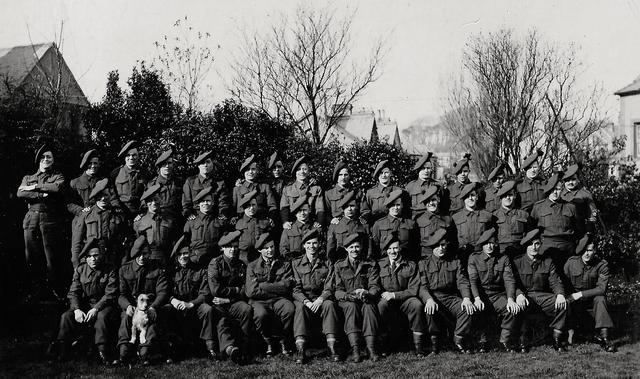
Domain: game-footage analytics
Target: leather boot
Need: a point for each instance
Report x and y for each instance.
(606, 344)
(558, 346)
(145, 356)
(103, 356)
(458, 344)
(334, 356)
(435, 345)
(234, 354)
(355, 347)
(300, 352)
(124, 353)
(270, 348)
(285, 348)
(417, 343)
(371, 346)
(506, 346)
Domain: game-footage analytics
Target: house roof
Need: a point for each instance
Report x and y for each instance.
(357, 125)
(18, 61)
(631, 89)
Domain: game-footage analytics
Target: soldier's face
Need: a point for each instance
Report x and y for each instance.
(471, 199)
(152, 207)
(533, 170)
(46, 161)
(252, 172)
(385, 176)
(167, 168)
(589, 252)
(498, 181)
(353, 250)
(393, 250)
(350, 210)
(206, 167)
(268, 251)
(463, 175)
(533, 248)
(344, 177)
(425, 172)
(132, 157)
(302, 172)
(231, 252)
(396, 208)
(144, 256)
(205, 205)
(311, 247)
(250, 210)
(93, 166)
(441, 249)
(302, 214)
(433, 203)
(183, 257)
(94, 258)
(507, 200)
(489, 247)
(571, 183)
(278, 169)
(556, 192)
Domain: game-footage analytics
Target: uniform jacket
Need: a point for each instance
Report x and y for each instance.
(490, 275)
(429, 222)
(332, 199)
(455, 203)
(79, 191)
(292, 192)
(194, 184)
(338, 232)
(265, 198)
(227, 278)
(204, 231)
(405, 229)
(157, 229)
(558, 219)
(491, 200)
(372, 206)
(267, 282)
(471, 224)
(512, 224)
(589, 278)
(251, 229)
(170, 194)
(93, 288)
(416, 190)
(403, 281)
(291, 239)
(129, 187)
(105, 224)
(135, 279)
(442, 276)
(537, 275)
(190, 284)
(310, 280)
(51, 183)
(347, 279)
(529, 192)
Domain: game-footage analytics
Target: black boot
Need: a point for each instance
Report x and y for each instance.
(300, 352)
(506, 347)
(333, 354)
(435, 345)
(558, 346)
(483, 347)
(234, 354)
(458, 344)
(355, 347)
(145, 356)
(606, 344)
(371, 346)
(123, 356)
(271, 351)
(103, 356)
(417, 344)
(285, 348)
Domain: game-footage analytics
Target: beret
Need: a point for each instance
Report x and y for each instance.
(393, 196)
(311, 234)
(230, 238)
(499, 169)
(180, 244)
(351, 238)
(381, 165)
(466, 190)
(531, 158)
(533, 234)
(459, 165)
(273, 159)
(302, 200)
(298, 162)
(436, 237)
(421, 162)
(247, 197)
(100, 186)
(487, 236)
(347, 199)
(126, 147)
(202, 157)
(247, 162)
(388, 240)
(582, 244)
(87, 157)
(262, 240)
(43, 149)
(429, 193)
(508, 186)
(551, 184)
(163, 157)
(202, 194)
(339, 166)
(92, 243)
(150, 192)
(139, 245)
(570, 171)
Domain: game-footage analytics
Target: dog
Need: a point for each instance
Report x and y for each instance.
(140, 319)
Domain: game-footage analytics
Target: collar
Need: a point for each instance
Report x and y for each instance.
(128, 170)
(300, 185)
(161, 179)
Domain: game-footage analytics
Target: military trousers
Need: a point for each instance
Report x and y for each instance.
(273, 318)
(189, 322)
(43, 251)
(545, 302)
(449, 306)
(360, 317)
(495, 305)
(304, 318)
(410, 308)
(598, 306)
(102, 325)
(227, 318)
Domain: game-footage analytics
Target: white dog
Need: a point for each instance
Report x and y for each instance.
(140, 319)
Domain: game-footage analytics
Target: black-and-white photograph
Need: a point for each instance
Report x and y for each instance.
(330, 188)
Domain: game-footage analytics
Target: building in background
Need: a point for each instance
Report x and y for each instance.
(629, 119)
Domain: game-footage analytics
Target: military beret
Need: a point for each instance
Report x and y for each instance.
(496, 171)
(570, 171)
(163, 157)
(247, 197)
(508, 186)
(247, 162)
(487, 236)
(297, 163)
(339, 166)
(100, 186)
(528, 161)
(139, 245)
(202, 194)
(436, 237)
(202, 157)
(311, 234)
(127, 146)
(229, 239)
(262, 240)
(347, 199)
(302, 200)
(466, 190)
(381, 165)
(429, 193)
(273, 159)
(88, 156)
(388, 240)
(43, 149)
(551, 183)
(422, 161)
(393, 196)
(532, 235)
(459, 165)
(351, 238)
(92, 243)
(150, 192)
(583, 243)
(180, 244)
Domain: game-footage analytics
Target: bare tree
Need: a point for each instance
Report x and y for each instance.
(185, 60)
(517, 95)
(303, 71)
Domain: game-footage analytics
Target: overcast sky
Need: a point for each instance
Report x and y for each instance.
(426, 38)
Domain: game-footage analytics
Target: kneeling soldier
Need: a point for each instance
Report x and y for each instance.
(355, 286)
(92, 296)
(540, 289)
(445, 291)
(312, 297)
(399, 283)
(589, 276)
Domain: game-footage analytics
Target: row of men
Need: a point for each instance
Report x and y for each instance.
(110, 208)
(362, 298)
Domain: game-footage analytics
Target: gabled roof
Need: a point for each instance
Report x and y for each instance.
(631, 89)
(18, 61)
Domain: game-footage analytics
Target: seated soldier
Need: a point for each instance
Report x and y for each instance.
(187, 312)
(511, 222)
(269, 283)
(204, 230)
(589, 276)
(432, 219)
(140, 275)
(312, 297)
(539, 289)
(494, 289)
(154, 227)
(348, 224)
(291, 239)
(92, 299)
(252, 226)
(394, 223)
(399, 284)
(355, 285)
(445, 291)
(226, 274)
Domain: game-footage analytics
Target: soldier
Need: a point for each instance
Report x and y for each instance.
(169, 195)
(418, 188)
(558, 220)
(301, 187)
(405, 229)
(252, 226)
(575, 193)
(470, 222)
(494, 289)
(589, 276)
(461, 171)
(445, 291)
(266, 201)
(92, 298)
(130, 182)
(226, 274)
(291, 239)
(220, 206)
(43, 192)
(205, 229)
(154, 226)
(187, 312)
(332, 197)
(496, 179)
(355, 286)
(530, 189)
(399, 284)
(539, 290)
(433, 219)
(102, 222)
(268, 284)
(372, 205)
(512, 223)
(313, 298)
(140, 275)
(277, 182)
(348, 224)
